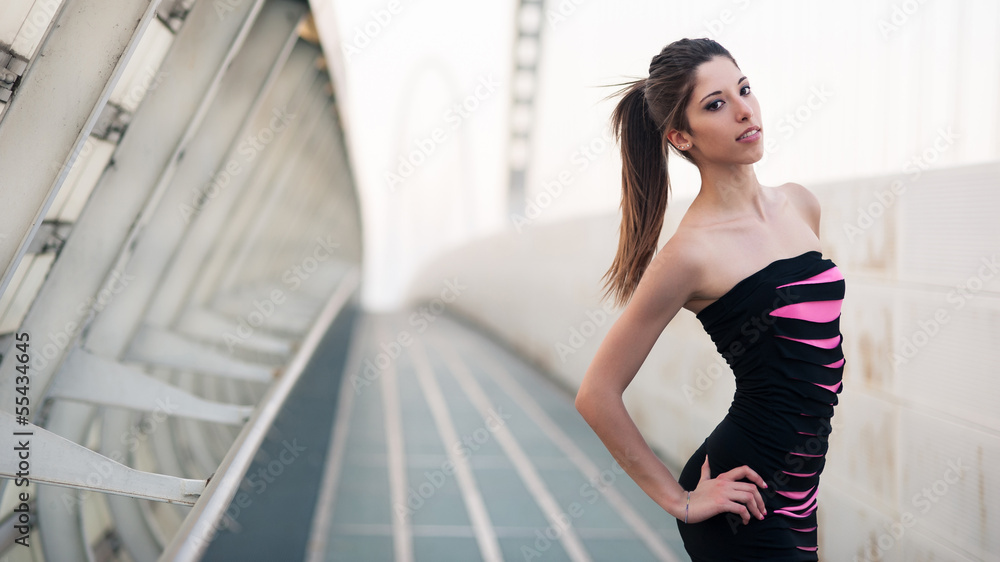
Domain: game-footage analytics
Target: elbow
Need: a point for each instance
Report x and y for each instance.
(579, 402)
(582, 401)
(592, 400)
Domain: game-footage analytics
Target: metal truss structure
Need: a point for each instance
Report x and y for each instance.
(179, 227)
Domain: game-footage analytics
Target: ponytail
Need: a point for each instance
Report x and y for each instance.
(645, 188)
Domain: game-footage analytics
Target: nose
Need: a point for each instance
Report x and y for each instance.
(745, 111)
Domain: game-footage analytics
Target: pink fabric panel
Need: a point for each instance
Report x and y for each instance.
(796, 495)
(830, 387)
(806, 530)
(805, 504)
(796, 515)
(809, 548)
(828, 343)
(835, 364)
(812, 311)
(830, 275)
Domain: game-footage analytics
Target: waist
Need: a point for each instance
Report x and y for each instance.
(775, 450)
(779, 428)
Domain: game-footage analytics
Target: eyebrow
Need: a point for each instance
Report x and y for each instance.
(719, 92)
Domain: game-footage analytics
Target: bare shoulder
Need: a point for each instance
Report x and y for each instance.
(805, 202)
(681, 253)
(662, 290)
(672, 278)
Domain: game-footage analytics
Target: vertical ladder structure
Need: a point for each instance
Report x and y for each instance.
(527, 54)
(179, 228)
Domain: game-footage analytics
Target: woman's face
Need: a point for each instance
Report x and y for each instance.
(721, 109)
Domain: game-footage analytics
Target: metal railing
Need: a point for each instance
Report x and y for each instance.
(180, 225)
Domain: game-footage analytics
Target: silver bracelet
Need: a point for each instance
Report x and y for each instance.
(686, 506)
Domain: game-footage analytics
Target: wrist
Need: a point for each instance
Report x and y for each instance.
(687, 507)
(677, 504)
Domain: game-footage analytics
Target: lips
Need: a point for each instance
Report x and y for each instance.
(748, 133)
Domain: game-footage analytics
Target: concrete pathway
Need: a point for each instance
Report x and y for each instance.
(445, 446)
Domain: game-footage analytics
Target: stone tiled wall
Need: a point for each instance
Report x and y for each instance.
(917, 432)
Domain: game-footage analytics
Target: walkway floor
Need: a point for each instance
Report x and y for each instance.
(448, 447)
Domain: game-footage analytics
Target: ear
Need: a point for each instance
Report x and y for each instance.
(677, 138)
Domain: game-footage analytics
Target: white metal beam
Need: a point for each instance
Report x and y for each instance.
(278, 188)
(91, 378)
(163, 347)
(211, 326)
(130, 525)
(156, 242)
(192, 539)
(85, 276)
(61, 462)
(44, 129)
(204, 234)
(214, 269)
(59, 507)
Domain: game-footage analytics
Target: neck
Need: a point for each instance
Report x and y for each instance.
(731, 189)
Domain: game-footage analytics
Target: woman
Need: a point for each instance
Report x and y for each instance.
(746, 260)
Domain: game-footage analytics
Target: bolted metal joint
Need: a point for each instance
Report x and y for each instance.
(11, 68)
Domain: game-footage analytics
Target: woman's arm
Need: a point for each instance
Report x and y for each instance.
(669, 281)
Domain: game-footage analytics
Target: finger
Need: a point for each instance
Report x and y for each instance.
(706, 472)
(739, 509)
(751, 474)
(755, 498)
(759, 500)
(745, 471)
(739, 494)
(747, 498)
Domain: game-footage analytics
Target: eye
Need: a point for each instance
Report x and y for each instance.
(744, 91)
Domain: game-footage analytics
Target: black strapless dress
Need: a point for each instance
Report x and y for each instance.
(779, 331)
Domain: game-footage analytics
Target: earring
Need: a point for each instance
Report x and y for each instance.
(684, 147)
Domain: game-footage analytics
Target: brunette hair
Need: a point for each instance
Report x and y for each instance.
(650, 108)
